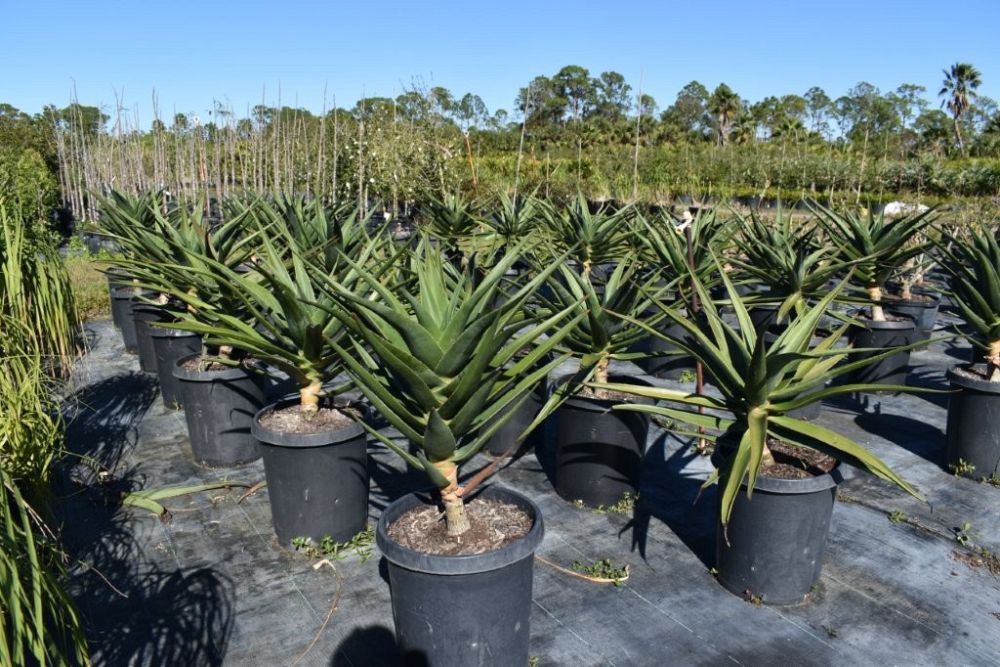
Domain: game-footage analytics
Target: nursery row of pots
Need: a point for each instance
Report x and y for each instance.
(598, 457)
(455, 344)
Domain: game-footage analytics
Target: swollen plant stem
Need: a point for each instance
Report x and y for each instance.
(454, 507)
(601, 374)
(875, 295)
(993, 362)
(766, 457)
(309, 397)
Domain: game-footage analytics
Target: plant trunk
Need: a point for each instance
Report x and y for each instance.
(993, 362)
(601, 374)
(766, 457)
(875, 295)
(454, 507)
(309, 397)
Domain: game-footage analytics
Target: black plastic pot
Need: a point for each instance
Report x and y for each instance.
(668, 361)
(764, 318)
(525, 413)
(115, 280)
(219, 407)
(923, 312)
(145, 315)
(91, 241)
(513, 280)
(454, 611)
(973, 431)
(891, 369)
(276, 384)
(777, 538)
(121, 309)
(317, 483)
(598, 450)
(171, 345)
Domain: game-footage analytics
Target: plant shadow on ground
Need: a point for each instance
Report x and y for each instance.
(134, 611)
(915, 435)
(670, 491)
(962, 353)
(391, 477)
(374, 645)
(929, 378)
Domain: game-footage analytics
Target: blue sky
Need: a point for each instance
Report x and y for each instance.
(192, 53)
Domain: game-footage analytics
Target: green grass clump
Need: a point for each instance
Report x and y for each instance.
(38, 621)
(90, 288)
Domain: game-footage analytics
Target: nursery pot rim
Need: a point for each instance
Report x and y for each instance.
(124, 292)
(904, 324)
(418, 561)
(182, 373)
(335, 436)
(933, 300)
(157, 331)
(776, 484)
(594, 404)
(141, 294)
(974, 384)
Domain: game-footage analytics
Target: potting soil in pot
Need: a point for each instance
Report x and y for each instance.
(493, 524)
(291, 419)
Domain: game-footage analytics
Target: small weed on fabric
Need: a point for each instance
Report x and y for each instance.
(961, 469)
(603, 569)
(360, 545)
(625, 506)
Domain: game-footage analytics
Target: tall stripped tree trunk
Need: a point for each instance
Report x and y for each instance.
(336, 150)
(361, 167)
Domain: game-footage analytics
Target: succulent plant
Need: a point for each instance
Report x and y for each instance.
(759, 383)
(875, 246)
(442, 364)
(974, 265)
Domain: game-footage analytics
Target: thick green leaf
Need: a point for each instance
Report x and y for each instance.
(840, 447)
(439, 442)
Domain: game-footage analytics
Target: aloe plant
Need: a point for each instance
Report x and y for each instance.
(452, 220)
(275, 312)
(121, 209)
(875, 246)
(792, 260)
(664, 244)
(588, 238)
(511, 221)
(166, 252)
(974, 265)
(759, 384)
(601, 334)
(316, 231)
(442, 364)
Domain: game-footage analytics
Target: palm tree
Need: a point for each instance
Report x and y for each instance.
(724, 104)
(958, 86)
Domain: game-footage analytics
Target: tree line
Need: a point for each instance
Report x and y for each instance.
(568, 131)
